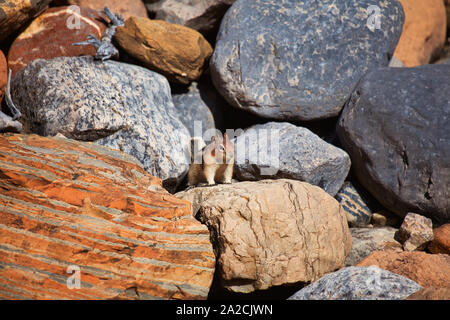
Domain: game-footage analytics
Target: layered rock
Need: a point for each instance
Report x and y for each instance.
(358, 212)
(395, 129)
(367, 240)
(356, 283)
(311, 53)
(428, 270)
(416, 232)
(52, 35)
(178, 52)
(70, 206)
(126, 8)
(15, 13)
(271, 232)
(441, 241)
(282, 150)
(118, 105)
(424, 31)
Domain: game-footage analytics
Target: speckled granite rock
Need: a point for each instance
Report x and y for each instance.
(395, 129)
(282, 150)
(312, 53)
(118, 105)
(358, 213)
(357, 283)
(416, 232)
(367, 240)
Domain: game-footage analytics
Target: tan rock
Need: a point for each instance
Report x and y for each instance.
(15, 13)
(428, 270)
(416, 232)
(441, 241)
(432, 293)
(66, 203)
(127, 8)
(423, 31)
(178, 52)
(52, 34)
(3, 75)
(272, 232)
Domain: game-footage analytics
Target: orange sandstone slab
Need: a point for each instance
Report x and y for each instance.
(127, 8)
(52, 34)
(67, 205)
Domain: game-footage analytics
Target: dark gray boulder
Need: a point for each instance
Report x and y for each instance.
(359, 283)
(284, 151)
(114, 104)
(300, 60)
(396, 130)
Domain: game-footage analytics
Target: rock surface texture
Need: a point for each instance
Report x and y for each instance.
(177, 52)
(15, 13)
(115, 104)
(3, 75)
(395, 129)
(127, 8)
(282, 150)
(428, 270)
(423, 33)
(272, 232)
(358, 213)
(441, 242)
(431, 294)
(311, 53)
(52, 35)
(68, 205)
(416, 232)
(356, 283)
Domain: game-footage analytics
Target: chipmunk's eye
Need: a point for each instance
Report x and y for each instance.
(221, 148)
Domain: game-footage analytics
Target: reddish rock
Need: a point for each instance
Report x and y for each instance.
(3, 75)
(441, 242)
(416, 232)
(428, 270)
(423, 32)
(69, 203)
(432, 293)
(52, 34)
(127, 8)
(15, 13)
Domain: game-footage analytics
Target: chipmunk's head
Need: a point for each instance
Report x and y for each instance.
(222, 149)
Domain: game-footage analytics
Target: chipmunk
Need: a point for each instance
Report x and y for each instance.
(216, 162)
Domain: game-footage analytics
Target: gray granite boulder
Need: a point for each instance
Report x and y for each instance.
(300, 60)
(114, 104)
(282, 150)
(359, 283)
(395, 128)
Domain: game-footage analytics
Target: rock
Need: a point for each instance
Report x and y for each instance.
(424, 31)
(203, 16)
(447, 8)
(311, 53)
(358, 213)
(178, 52)
(282, 150)
(52, 34)
(385, 218)
(428, 270)
(441, 241)
(15, 13)
(271, 232)
(118, 105)
(432, 293)
(134, 241)
(353, 283)
(367, 240)
(396, 63)
(416, 232)
(3, 75)
(126, 8)
(444, 61)
(405, 167)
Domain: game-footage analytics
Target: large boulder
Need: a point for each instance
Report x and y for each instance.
(311, 54)
(81, 221)
(424, 31)
(282, 150)
(177, 52)
(395, 129)
(15, 13)
(118, 105)
(356, 283)
(271, 232)
(52, 35)
(428, 270)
